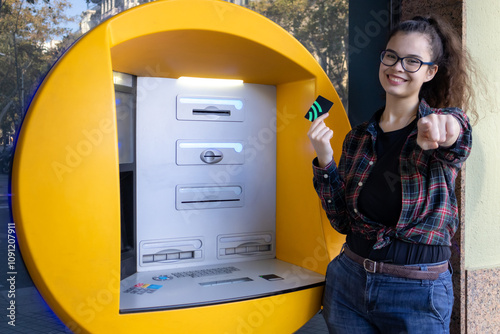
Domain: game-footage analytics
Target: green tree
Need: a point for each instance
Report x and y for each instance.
(321, 26)
(27, 28)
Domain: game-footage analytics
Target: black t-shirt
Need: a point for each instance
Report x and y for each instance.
(381, 200)
(398, 252)
(381, 197)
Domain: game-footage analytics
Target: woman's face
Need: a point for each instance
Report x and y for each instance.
(394, 79)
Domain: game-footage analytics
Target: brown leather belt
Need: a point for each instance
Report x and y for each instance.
(412, 272)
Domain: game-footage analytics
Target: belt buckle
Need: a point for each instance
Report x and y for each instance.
(370, 266)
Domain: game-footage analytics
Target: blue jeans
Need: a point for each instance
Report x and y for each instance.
(357, 302)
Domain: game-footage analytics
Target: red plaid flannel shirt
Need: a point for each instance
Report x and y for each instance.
(429, 212)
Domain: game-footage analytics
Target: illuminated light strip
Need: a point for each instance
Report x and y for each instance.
(238, 104)
(122, 79)
(236, 190)
(236, 146)
(210, 81)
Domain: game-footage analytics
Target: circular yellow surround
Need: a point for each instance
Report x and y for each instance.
(65, 181)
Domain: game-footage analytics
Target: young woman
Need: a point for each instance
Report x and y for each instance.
(393, 190)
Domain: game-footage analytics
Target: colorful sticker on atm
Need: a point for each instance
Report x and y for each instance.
(141, 288)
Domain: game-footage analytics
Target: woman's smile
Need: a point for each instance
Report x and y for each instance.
(395, 80)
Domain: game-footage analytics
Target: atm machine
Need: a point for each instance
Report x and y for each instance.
(205, 196)
(148, 200)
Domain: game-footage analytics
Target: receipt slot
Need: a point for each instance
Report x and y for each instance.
(166, 206)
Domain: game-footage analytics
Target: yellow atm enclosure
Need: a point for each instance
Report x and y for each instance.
(147, 201)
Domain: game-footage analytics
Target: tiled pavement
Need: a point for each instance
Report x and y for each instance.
(316, 325)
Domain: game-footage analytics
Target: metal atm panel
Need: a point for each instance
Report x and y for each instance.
(206, 171)
(206, 198)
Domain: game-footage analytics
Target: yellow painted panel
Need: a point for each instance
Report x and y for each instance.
(176, 53)
(65, 182)
(302, 226)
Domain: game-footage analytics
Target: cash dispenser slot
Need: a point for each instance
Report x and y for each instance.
(199, 108)
(208, 197)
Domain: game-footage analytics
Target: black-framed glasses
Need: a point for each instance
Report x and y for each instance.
(410, 64)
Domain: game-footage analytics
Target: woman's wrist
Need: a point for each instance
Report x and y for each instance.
(324, 161)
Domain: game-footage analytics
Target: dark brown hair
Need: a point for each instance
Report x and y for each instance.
(452, 86)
